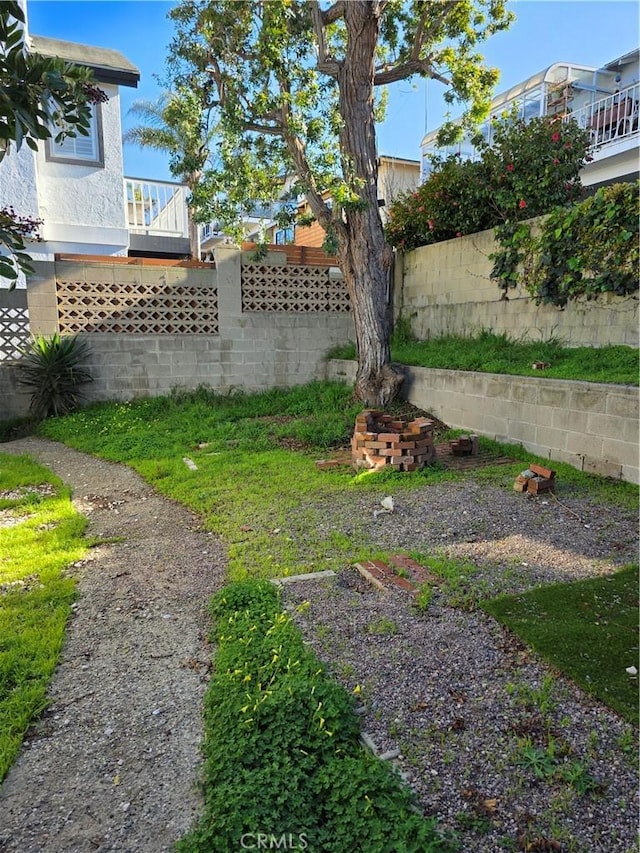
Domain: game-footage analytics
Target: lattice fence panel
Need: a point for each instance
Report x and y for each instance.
(140, 308)
(14, 331)
(292, 289)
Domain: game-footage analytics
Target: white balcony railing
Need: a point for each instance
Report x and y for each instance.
(156, 208)
(612, 118)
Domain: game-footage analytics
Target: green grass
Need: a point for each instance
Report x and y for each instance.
(587, 629)
(264, 500)
(493, 353)
(35, 593)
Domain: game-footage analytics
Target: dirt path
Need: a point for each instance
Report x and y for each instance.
(113, 763)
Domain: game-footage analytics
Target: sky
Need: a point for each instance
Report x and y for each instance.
(585, 32)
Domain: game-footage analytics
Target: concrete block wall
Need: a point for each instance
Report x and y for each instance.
(252, 351)
(592, 426)
(445, 289)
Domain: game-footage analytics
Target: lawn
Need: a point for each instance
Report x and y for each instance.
(40, 536)
(491, 353)
(588, 629)
(254, 456)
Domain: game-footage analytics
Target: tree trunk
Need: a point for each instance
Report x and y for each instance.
(194, 236)
(364, 256)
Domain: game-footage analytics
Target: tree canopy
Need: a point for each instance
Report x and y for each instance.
(295, 87)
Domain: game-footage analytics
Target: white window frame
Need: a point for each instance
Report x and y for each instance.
(73, 148)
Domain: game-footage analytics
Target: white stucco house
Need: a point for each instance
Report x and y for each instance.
(605, 101)
(78, 188)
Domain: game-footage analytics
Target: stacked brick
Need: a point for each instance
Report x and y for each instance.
(382, 441)
(536, 480)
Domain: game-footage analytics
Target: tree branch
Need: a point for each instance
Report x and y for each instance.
(333, 13)
(408, 69)
(272, 130)
(298, 154)
(325, 63)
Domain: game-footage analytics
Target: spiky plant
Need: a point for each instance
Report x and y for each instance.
(52, 368)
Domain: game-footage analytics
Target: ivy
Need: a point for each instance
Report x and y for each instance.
(582, 251)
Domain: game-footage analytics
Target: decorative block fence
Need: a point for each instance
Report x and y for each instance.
(155, 328)
(382, 441)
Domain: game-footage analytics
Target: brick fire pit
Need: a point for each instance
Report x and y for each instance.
(382, 441)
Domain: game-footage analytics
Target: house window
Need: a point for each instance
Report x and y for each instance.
(283, 236)
(85, 150)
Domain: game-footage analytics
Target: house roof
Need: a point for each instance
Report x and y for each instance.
(108, 66)
(626, 59)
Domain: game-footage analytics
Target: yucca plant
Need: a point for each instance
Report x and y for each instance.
(52, 368)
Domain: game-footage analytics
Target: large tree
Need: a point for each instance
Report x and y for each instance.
(40, 97)
(293, 85)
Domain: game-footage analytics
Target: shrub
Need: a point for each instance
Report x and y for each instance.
(52, 367)
(529, 168)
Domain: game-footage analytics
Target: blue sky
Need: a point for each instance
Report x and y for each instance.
(585, 32)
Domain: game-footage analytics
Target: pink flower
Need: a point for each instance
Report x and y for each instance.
(421, 210)
(555, 161)
(509, 167)
(458, 234)
(430, 224)
(555, 137)
(567, 145)
(522, 204)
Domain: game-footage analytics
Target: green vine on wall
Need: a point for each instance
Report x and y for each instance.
(585, 250)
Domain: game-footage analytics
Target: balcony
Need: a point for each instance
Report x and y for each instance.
(611, 119)
(157, 217)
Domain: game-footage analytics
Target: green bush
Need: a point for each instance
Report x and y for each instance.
(52, 368)
(283, 756)
(530, 168)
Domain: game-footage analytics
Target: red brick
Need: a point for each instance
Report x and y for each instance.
(547, 473)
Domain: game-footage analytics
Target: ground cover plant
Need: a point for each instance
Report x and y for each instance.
(487, 352)
(264, 500)
(588, 629)
(283, 755)
(40, 536)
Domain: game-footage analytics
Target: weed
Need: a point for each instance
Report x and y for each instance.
(542, 762)
(283, 743)
(424, 597)
(383, 626)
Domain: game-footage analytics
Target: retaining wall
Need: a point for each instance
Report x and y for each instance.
(445, 289)
(592, 426)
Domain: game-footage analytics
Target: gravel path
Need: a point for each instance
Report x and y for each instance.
(113, 763)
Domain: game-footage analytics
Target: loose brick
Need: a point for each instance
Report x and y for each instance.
(547, 473)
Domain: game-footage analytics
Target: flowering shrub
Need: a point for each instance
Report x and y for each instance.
(529, 169)
(451, 203)
(532, 167)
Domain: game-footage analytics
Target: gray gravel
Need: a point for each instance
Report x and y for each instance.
(113, 764)
(453, 693)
